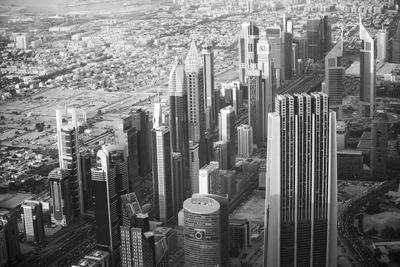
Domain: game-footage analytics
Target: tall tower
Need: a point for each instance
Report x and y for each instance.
(287, 41)
(127, 135)
(9, 227)
(194, 74)
(33, 221)
(178, 180)
(379, 138)
(334, 77)
(265, 65)
(315, 38)
(255, 104)
(202, 232)
(367, 73)
(382, 45)
(178, 119)
(162, 173)
(194, 161)
(61, 211)
(68, 149)
(248, 39)
(227, 132)
(275, 39)
(301, 204)
(396, 46)
(209, 179)
(105, 194)
(245, 140)
(208, 82)
(140, 120)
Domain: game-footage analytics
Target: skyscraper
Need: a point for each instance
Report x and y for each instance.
(68, 149)
(367, 73)
(315, 38)
(3, 246)
(162, 173)
(334, 77)
(275, 39)
(245, 140)
(209, 179)
(287, 41)
(33, 221)
(227, 132)
(8, 221)
(178, 179)
(105, 195)
(301, 205)
(202, 232)
(379, 138)
(207, 56)
(130, 207)
(255, 104)
(194, 162)
(178, 106)
(127, 135)
(382, 45)
(248, 39)
(140, 120)
(220, 154)
(61, 210)
(85, 169)
(396, 46)
(194, 74)
(295, 58)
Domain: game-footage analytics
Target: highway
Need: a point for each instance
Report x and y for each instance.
(347, 234)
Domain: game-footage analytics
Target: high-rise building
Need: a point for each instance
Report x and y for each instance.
(245, 140)
(21, 42)
(194, 162)
(8, 221)
(287, 41)
(379, 141)
(227, 132)
(140, 121)
(326, 35)
(265, 65)
(315, 38)
(209, 179)
(224, 223)
(178, 179)
(207, 56)
(248, 39)
(130, 207)
(239, 233)
(101, 258)
(295, 58)
(33, 221)
(233, 95)
(85, 159)
(255, 104)
(178, 106)
(334, 78)
(301, 190)
(61, 210)
(68, 149)
(275, 39)
(194, 74)
(127, 135)
(382, 45)
(3, 246)
(162, 173)
(396, 46)
(367, 73)
(202, 232)
(220, 154)
(105, 195)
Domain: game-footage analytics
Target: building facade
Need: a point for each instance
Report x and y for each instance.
(61, 207)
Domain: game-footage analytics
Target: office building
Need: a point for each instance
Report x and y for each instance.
(382, 45)
(102, 258)
(60, 202)
(367, 73)
(396, 46)
(140, 121)
(220, 154)
(194, 76)
(194, 161)
(255, 104)
(334, 78)
(8, 221)
(85, 159)
(202, 232)
(314, 39)
(21, 42)
(267, 73)
(68, 149)
(130, 207)
(287, 41)
(248, 38)
(178, 119)
(227, 132)
(33, 222)
(233, 95)
(275, 39)
(209, 179)
(301, 190)
(127, 135)
(162, 173)
(178, 179)
(3, 246)
(342, 134)
(207, 56)
(295, 59)
(239, 234)
(105, 195)
(245, 140)
(379, 138)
